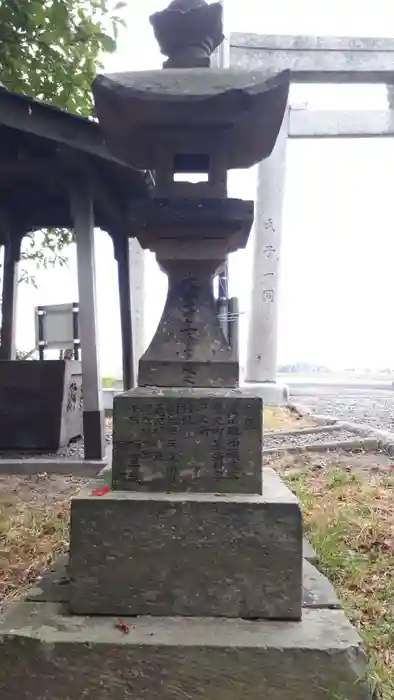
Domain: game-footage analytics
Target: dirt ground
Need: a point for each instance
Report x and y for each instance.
(280, 418)
(34, 517)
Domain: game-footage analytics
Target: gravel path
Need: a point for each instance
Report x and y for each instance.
(272, 441)
(374, 408)
(73, 451)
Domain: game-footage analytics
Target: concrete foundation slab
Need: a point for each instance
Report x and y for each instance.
(58, 465)
(47, 655)
(273, 394)
(231, 555)
(29, 466)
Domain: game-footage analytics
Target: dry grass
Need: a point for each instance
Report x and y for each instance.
(350, 519)
(281, 418)
(34, 518)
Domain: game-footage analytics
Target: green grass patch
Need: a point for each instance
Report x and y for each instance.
(349, 517)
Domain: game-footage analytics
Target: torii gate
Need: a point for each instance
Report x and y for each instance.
(311, 60)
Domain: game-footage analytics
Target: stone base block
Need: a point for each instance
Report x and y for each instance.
(47, 655)
(232, 555)
(272, 393)
(54, 586)
(187, 440)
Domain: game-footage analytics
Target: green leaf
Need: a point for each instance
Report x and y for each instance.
(108, 44)
(51, 50)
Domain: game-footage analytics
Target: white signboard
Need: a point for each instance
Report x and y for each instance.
(57, 326)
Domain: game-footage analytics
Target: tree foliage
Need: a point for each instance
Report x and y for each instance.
(51, 50)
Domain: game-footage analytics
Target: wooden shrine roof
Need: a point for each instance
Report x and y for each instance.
(42, 150)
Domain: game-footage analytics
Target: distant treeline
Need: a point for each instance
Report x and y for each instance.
(307, 368)
(303, 367)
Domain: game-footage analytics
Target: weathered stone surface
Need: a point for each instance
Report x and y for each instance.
(53, 584)
(308, 552)
(318, 591)
(189, 348)
(47, 655)
(193, 554)
(181, 224)
(53, 587)
(188, 32)
(187, 440)
(137, 112)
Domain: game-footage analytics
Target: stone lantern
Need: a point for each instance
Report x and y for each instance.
(186, 580)
(187, 427)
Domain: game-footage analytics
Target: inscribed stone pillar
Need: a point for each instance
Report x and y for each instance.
(262, 343)
(137, 257)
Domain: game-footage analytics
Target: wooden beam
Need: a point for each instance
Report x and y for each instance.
(12, 250)
(43, 120)
(316, 59)
(121, 247)
(62, 128)
(109, 205)
(35, 168)
(318, 124)
(93, 414)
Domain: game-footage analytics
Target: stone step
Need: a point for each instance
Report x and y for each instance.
(54, 586)
(308, 552)
(50, 655)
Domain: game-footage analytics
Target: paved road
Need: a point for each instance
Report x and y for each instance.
(367, 403)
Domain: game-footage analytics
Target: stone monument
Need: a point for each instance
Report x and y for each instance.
(186, 579)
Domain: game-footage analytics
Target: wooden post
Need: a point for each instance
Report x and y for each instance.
(93, 414)
(12, 250)
(122, 255)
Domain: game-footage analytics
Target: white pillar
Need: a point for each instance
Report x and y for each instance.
(261, 358)
(93, 415)
(390, 96)
(137, 290)
(223, 57)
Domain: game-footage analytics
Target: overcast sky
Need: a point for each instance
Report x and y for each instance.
(337, 284)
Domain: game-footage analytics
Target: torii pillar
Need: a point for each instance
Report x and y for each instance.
(262, 345)
(137, 263)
